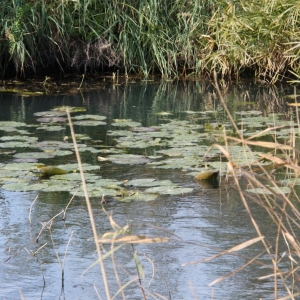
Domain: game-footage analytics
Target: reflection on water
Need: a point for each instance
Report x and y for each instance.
(200, 224)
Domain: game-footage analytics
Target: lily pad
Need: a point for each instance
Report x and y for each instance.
(146, 182)
(16, 187)
(10, 124)
(89, 117)
(20, 166)
(17, 144)
(35, 187)
(7, 173)
(264, 191)
(49, 146)
(50, 128)
(71, 109)
(125, 123)
(164, 113)
(168, 190)
(89, 123)
(27, 139)
(52, 120)
(50, 114)
(59, 186)
(76, 177)
(75, 169)
(144, 129)
(34, 155)
(99, 192)
(129, 159)
(138, 196)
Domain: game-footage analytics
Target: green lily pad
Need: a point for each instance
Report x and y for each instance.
(138, 196)
(249, 113)
(7, 173)
(17, 144)
(164, 113)
(125, 123)
(50, 114)
(56, 145)
(144, 129)
(19, 166)
(90, 149)
(94, 191)
(108, 183)
(291, 181)
(10, 124)
(129, 159)
(50, 128)
(71, 109)
(27, 139)
(77, 177)
(34, 155)
(168, 190)
(52, 120)
(111, 151)
(89, 117)
(58, 186)
(264, 191)
(120, 133)
(74, 167)
(16, 187)
(191, 112)
(89, 123)
(34, 187)
(146, 182)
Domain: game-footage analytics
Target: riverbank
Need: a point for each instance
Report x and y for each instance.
(256, 40)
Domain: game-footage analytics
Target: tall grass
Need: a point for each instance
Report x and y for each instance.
(179, 37)
(280, 200)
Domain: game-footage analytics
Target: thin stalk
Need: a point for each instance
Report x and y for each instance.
(90, 211)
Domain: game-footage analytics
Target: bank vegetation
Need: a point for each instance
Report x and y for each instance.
(256, 39)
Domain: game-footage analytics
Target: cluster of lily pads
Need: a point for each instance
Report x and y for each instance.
(172, 144)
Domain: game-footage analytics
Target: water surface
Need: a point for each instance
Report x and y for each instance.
(200, 224)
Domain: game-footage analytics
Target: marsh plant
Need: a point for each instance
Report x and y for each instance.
(255, 38)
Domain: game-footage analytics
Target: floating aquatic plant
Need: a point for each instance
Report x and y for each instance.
(89, 117)
(129, 159)
(71, 109)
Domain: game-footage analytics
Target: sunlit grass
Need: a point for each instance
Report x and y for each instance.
(255, 38)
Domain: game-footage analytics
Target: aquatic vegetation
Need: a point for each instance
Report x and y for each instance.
(160, 164)
(232, 38)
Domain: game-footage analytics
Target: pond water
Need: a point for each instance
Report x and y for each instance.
(200, 221)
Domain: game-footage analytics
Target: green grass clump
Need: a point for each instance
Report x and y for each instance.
(258, 38)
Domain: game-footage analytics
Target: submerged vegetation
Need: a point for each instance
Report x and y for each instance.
(254, 38)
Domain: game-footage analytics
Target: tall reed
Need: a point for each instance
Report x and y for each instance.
(254, 38)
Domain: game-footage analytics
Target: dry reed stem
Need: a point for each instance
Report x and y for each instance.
(277, 218)
(91, 216)
(44, 224)
(31, 209)
(237, 270)
(35, 252)
(233, 249)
